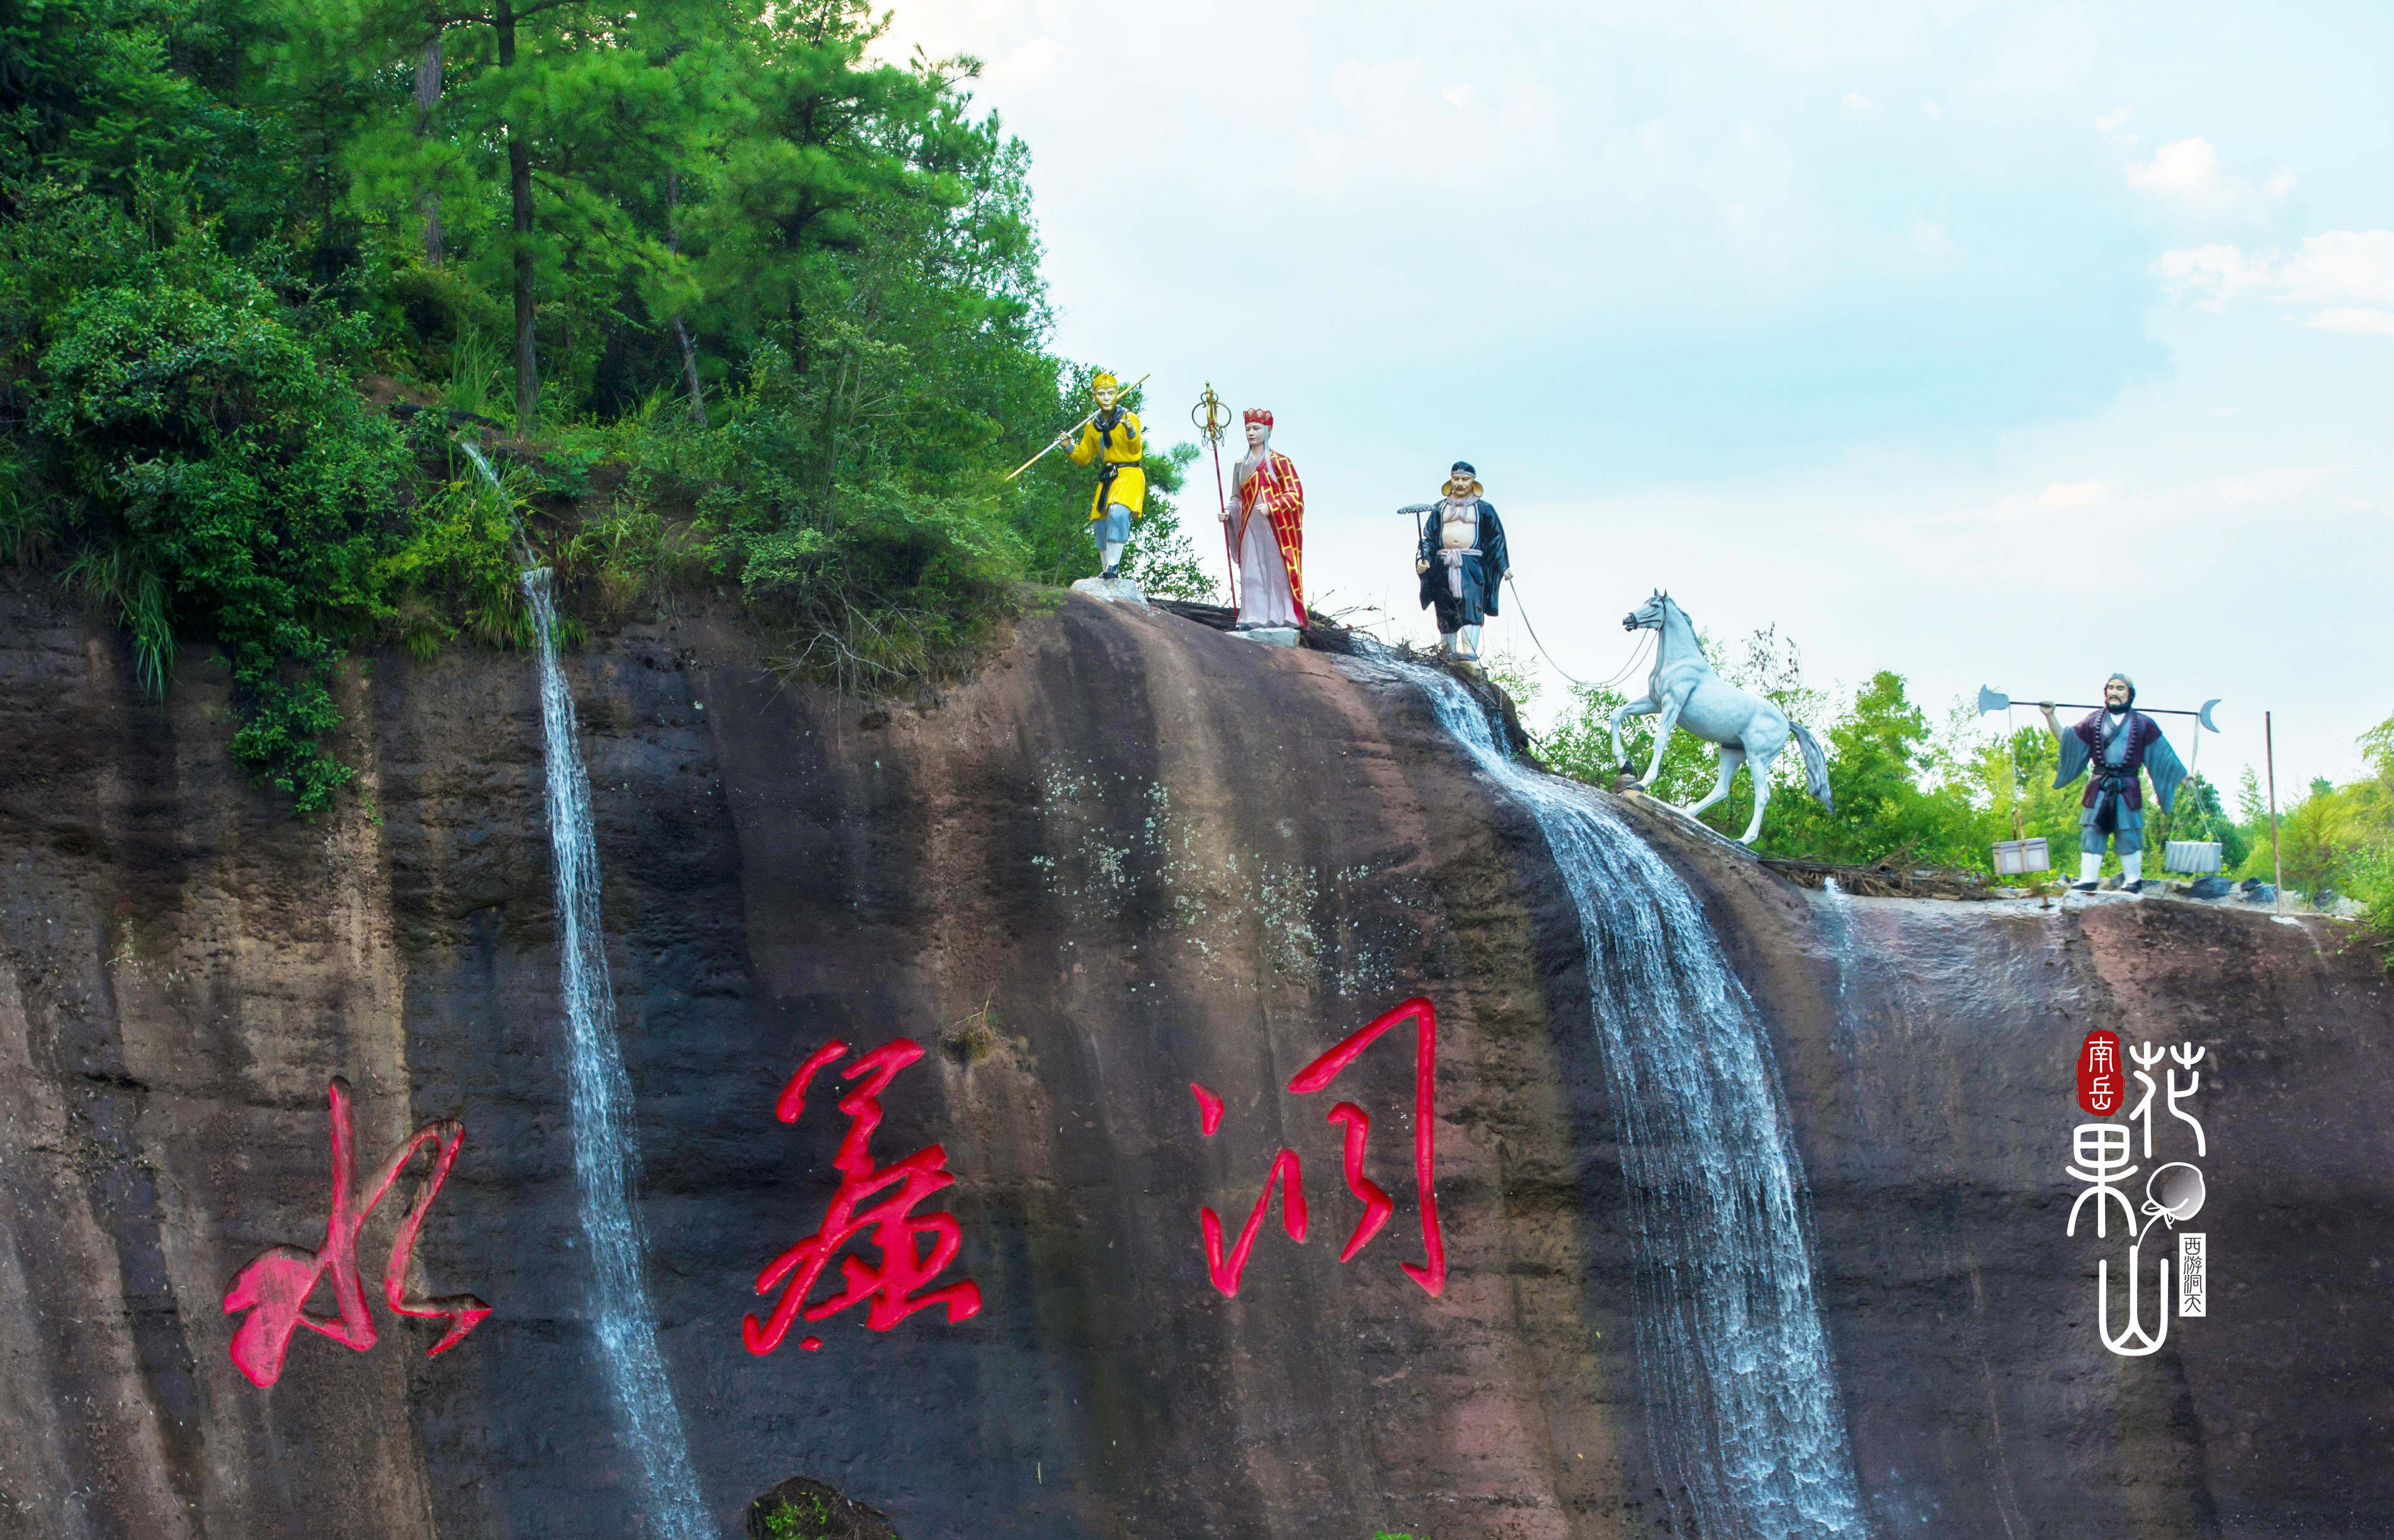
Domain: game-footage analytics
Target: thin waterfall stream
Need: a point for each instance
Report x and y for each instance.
(1741, 1400)
(606, 1152)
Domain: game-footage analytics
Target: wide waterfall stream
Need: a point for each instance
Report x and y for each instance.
(605, 1151)
(1743, 1406)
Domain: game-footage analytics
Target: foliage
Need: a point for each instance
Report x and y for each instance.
(787, 1519)
(2336, 838)
(760, 315)
(217, 478)
(1161, 557)
(1896, 790)
(1903, 788)
(1944, 794)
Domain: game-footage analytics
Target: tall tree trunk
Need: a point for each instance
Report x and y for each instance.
(427, 92)
(519, 190)
(681, 332)
(689, 373)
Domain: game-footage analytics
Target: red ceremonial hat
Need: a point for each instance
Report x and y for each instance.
(1257, 414)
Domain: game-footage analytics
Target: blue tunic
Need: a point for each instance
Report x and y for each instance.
(2114, 803)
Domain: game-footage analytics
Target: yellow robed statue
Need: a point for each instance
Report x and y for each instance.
(1111, 441)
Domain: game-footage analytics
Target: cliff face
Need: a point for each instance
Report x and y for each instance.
(1133, 855)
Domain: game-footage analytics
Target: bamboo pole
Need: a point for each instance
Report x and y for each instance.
(2277, 863)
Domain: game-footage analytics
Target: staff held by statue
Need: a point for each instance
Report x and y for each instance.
(1066, 437)
(1213, 419)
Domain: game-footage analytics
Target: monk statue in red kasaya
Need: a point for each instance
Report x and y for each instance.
(1266, 520)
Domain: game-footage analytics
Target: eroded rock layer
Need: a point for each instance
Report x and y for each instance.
(1133, 854)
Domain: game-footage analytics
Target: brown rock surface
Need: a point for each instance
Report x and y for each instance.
(1134, 853)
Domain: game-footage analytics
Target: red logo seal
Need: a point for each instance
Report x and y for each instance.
(2100, 1087)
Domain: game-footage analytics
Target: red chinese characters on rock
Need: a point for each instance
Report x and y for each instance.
(1287, 1173)
(275, 1288)
(2100, 1086)
(897, 1233)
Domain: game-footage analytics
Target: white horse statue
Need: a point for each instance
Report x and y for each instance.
(1684, 691)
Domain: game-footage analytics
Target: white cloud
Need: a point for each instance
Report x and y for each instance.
(2281, 182)
(2048, 52)
(1026, 63)
(1928, 107)
(2360, 322)
(1381, 97)
(2184, 169)
(2346, 276)
(2109, 122)
(2343, 264)
(2207, 277)
(2077, 495)
(1859, 104)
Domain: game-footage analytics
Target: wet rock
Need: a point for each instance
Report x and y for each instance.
(1134, 853)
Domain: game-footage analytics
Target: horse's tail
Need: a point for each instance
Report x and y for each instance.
(1816, 765)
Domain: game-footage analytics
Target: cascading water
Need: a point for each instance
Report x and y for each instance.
(1743, 1407)
(481, 462)
(605, 1155)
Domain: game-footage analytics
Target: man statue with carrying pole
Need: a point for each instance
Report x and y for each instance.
(2115, 741)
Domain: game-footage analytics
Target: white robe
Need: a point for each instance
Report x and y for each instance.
(1263, 576)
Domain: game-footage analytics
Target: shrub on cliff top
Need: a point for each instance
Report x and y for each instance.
(783, 306)
(219, 479)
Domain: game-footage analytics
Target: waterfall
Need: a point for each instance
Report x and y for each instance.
(481, 463)
(606, 1155)
(1741, 1405)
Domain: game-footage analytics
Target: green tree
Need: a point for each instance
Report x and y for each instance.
(1892, 795)
(226, 484)
(227, 229)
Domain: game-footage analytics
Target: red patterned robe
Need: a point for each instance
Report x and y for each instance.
(1269, 486)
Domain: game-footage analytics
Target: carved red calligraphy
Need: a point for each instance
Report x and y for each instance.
(1287, 1173)
(2100, 1086)
(898, 1233)
(275, 1288)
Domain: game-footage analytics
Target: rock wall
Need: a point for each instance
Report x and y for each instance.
(1133, 854)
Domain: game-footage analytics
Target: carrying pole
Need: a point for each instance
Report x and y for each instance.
(2277, 863)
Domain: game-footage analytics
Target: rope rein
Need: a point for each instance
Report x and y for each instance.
(1626, 670)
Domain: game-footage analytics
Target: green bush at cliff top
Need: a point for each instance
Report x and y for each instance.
(788, 332)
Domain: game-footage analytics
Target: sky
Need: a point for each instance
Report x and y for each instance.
(2001, 345)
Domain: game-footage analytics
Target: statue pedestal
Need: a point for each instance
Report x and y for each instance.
(1112, 590)
(1271, 635)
